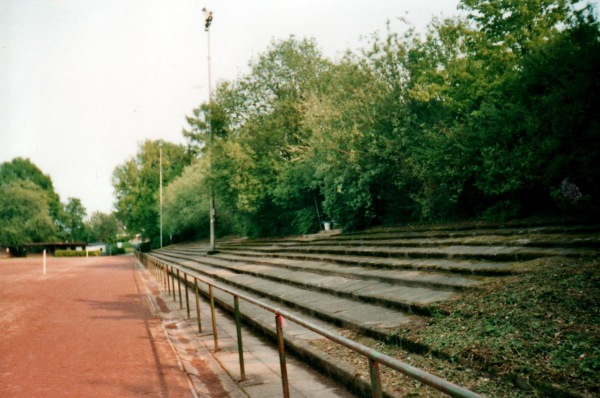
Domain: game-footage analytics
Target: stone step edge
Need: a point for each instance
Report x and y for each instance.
(334, 368)
(409, 307)
(437, 253)
(372, 262)
(422, 242)
(345, 372)
(350, 274)
(375, 262)
(370, 331)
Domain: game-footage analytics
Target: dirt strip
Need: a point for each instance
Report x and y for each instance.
(85, 329)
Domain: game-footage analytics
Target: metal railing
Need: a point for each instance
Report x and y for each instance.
(169, 274)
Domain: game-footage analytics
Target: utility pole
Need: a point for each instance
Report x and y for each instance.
(161, 192)
(208, 17)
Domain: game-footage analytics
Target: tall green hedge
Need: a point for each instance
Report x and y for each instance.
(77, 253)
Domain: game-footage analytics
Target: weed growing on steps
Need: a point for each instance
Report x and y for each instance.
(538, 328)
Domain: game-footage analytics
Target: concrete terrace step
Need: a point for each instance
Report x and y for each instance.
(457, 231)
(298, 339)
(489, 253)
(553, 237)
(487, 240)
(370, 319)
(399, 277)
(416, 278)
(437, 265)
(408, 298)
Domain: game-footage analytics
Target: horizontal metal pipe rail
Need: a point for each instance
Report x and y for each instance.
(162, 270)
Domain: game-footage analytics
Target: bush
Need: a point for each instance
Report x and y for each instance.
(77, 253)
(20, 251)
(118, 250)
(145, 247)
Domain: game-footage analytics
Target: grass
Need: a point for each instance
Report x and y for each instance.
(540, 328)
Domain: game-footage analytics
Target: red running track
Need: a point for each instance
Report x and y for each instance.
(85, 329)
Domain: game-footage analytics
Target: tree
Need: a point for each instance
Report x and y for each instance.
(136, 184)
(534, 127)
(186, 202)
(24, 215)
(256, 124)
(19, 170)
(492, 114)
(74, 214)
(549, 123)
(518, 26)
(102, 227)
(347, 137)
(30, 210)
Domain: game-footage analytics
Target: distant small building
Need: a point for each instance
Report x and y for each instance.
(97, 246)
(51, 247)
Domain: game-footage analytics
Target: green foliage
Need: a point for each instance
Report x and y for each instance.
(137, 181)
(24, 215)
(74, 214)
(21, 170)
(102, 227)
(117, 251)
(542, 324)
(186, 204)
(77, 253)
(36, 213)
(483, 116)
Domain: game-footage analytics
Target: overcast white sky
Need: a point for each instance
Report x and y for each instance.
(83, 82)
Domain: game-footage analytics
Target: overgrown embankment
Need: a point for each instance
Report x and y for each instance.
(539, 328)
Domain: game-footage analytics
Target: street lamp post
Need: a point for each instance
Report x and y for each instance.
(208, 17)
(161, 192)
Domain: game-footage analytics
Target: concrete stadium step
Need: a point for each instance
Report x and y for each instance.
(474, 267)
(371, 282)
(551, 237)
(488, 253)
(416, 278)
(415, 299)
(432, 280)
(369, 319)
(558, 241)
(548, 231)
(301, 342)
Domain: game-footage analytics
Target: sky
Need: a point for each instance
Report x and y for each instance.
(83, 83)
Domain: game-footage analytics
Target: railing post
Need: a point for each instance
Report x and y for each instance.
(179, 289)
(197, 305)
(168, 275)
(187, 297)
(238, 327)
(375, 379)
(214, 318)
(173, 284)
(157, 275)
(281, 348)
(162, 275)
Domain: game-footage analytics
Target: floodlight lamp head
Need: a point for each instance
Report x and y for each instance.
(208, 17)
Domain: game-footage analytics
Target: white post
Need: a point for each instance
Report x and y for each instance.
(211, 202)
(161, 194)
(44, 261)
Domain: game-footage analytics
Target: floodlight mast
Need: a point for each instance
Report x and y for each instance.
(161, 191)
(208, 18)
